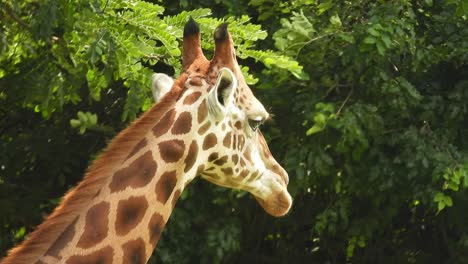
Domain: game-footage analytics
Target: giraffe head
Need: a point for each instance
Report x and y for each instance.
(232, 151)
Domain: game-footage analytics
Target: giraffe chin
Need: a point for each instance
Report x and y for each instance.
(276, 204)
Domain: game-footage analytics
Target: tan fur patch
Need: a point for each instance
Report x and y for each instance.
(175, 198)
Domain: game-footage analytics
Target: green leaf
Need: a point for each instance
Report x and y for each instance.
(386, 40)
(373, 32)
(380, 48)
(347, 37)
(440, 206)
(314, 129)
(369, 40)
(75, 123)
(323, 7)
(448, 201)
(335, 20)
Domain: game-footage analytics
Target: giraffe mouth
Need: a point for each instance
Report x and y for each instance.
(277, 204)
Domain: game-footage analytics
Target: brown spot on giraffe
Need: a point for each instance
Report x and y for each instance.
(244, 173)
(209, 141)
(165, 186)
(183, 124)
(193, 97)
(238, 125)
(202, 112)
(221, 161)
(254, 175)
(137, 148)
(102, 256)
(227, 171)
(138, 174)
(196, 81)
(204, 128)
(134, 252)
(171, 150)
(130, 212)
(165, 123)
(235, 159)
(62, 241)
(213, 156)
(191, 156)
(242, 162)
(96, 225)
(227, 140)
(156, 227)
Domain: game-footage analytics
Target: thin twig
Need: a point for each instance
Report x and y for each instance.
(309, 41)
(344, 102)
(12, 15)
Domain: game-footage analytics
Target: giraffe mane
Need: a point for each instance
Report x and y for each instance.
(77, 198)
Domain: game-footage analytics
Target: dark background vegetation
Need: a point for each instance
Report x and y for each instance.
(371, 121)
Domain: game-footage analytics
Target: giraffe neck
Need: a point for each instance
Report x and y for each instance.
(124, 220)
(120, 208)
(123, 223)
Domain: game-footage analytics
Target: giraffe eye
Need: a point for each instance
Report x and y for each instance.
(255, 123)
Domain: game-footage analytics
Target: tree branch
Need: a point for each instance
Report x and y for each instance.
(9, 12)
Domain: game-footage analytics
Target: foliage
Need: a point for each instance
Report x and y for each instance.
(375, 142)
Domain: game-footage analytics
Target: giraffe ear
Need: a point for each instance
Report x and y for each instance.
(161, 85)
(222, 93)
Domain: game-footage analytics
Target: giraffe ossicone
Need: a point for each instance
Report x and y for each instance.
(204, 123)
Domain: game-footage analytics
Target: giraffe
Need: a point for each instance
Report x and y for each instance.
(205, 123)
